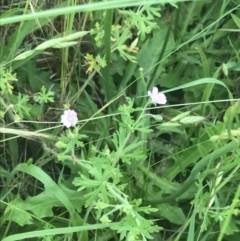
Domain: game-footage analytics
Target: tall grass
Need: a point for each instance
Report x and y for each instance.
(130, 169)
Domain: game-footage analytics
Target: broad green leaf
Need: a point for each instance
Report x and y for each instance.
(171, 213)
(186, 158)
(17, 212)
(40, 205)
(49, 184)
(28, 72)
(150, 50)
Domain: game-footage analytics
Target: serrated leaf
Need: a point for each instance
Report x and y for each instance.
(18, 213)
(40, 205)
(44, 96)
(5, 79)
(22, 105)
(49, 184)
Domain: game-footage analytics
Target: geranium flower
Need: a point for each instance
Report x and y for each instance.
(158, 98)
(69, 118)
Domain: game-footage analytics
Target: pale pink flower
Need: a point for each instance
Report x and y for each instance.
(69, 118)
(158, 98)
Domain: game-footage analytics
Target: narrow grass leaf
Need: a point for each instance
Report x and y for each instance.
(84, 8)
(236, 20)
(197, 82)
(25, 133)
(56, 231)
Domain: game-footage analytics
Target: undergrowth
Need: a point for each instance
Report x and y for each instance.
(119, 120)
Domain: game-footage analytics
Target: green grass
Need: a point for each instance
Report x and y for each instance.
(129, 170)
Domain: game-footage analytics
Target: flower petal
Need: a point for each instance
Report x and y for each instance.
(158, 98)
(154, 91)
(161, 99)
(69, 118)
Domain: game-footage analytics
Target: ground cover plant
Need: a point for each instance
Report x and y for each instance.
(119, 120)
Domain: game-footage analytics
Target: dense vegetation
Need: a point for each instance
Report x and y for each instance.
(119, 120)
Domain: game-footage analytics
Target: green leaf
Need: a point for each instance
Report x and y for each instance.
(71, 140)
(197, 82)
(144, 23)
(231, 112)
(5, 78)
(185, 158)
(89, 7)
(49, 184)
(22, 107)
(18, 213)
(44, 96)
(95, 63)
(40, 205)
(236, 20)
(150, 50)
(56, 231)
(231, 228)
(156, 117)
(172, 213)
(192, 119)
(169, 127)
(180, 116)
(62, 42)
